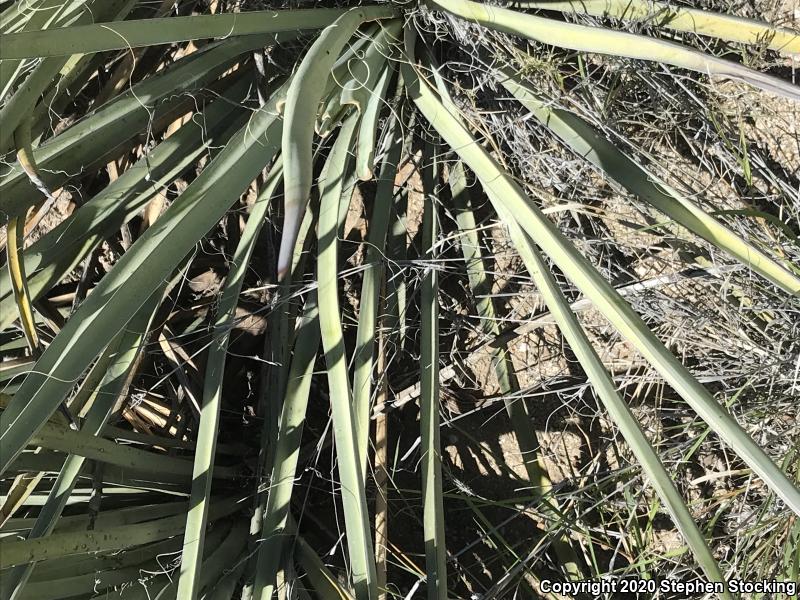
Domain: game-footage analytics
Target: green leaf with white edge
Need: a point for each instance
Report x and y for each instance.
(82, 564)
(59, 12)
(577, 268)
(137, 274)
(682, 18)
(205, 451)
(52, 462)
(98, 581)
(587, 143)
(106, 518)
(356, 514)
(98, 573)
(226, 541)
(606, 41)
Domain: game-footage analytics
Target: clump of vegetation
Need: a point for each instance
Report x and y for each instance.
(362, 300)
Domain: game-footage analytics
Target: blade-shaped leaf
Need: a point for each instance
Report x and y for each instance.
(103, 135)
(99, 37)
(305, 92)
(503, 188)
(430, 447)
(287, 451)
(607, 41)
(136, 275)
(370, 289)
(50, 258)
(205, 452)
(682, 18)
(605, 388)
(359, 538)
(589, 144)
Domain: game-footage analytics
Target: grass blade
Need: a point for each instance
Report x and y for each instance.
(19, 107)
(322, 580)
(55, 437)
(119, 359)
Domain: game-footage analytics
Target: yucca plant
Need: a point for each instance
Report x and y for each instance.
(226, 221)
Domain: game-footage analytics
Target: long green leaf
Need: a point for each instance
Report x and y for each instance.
(682, 18)
(287, 451)
(359, 538)
(365, 154)
(606, 41)
(366, 69)
(196, 519)
(503, 188)
(216, 558)
(136, 275)
(100, 37)
(517, 409)
(27, 95)
(305, 92)
(606, 390)
(63, 439)
(107, 518)
(114, 127)
(51, 258)
(585, 141)
(370, 289)
(323, 582)
(113, 538)
(430, 448)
